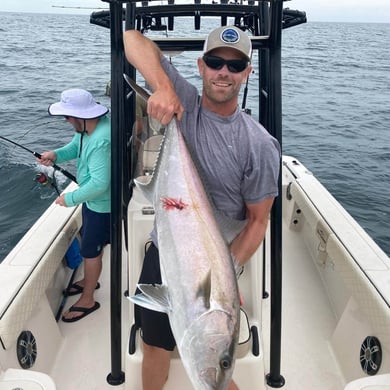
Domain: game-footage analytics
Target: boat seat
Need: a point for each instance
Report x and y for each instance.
(150, 152)
(13, 379)
(376, 382)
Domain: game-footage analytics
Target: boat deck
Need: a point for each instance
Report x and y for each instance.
(85, 361)
(307, 360)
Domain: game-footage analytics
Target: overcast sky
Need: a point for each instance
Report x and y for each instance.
(317, 10)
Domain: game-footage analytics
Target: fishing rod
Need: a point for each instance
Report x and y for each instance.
(35, 127)
(36, 154)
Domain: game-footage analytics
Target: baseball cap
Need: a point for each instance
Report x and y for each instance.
(228, 36)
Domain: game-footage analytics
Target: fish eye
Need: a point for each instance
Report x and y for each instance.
(225, 363)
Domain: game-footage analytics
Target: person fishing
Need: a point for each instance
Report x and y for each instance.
(91, 146)
(239, 158)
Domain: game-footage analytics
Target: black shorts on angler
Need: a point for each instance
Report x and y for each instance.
(155, 327)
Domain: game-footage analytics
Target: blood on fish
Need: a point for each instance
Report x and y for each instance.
(172, 203)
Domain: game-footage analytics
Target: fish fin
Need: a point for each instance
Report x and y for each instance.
(204, 290)
(144, 301)
(147, 183)
(153, 297)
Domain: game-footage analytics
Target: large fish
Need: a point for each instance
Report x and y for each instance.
(199, 289)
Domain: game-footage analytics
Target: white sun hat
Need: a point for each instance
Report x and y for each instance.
(77, 103)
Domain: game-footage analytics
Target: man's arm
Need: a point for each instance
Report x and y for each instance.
(145, 56)
(250, 238)
(99, 167)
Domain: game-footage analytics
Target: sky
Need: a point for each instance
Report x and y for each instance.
(316, 10)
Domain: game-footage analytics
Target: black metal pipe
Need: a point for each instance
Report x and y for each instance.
(116, 375)
(130, 109)
(265, 294)
(274, 378)
(263, 64)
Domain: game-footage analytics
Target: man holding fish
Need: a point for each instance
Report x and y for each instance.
(238, 161)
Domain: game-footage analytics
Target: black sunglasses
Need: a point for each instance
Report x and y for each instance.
(217, 63)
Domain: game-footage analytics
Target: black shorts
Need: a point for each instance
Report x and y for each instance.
(155, 327)
(95, 232)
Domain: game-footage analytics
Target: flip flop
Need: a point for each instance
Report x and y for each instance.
(84, 310)
(78, 289)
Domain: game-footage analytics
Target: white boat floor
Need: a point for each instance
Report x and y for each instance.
(85, 358)
(307, 363)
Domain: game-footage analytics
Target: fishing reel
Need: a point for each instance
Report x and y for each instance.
(45, 180)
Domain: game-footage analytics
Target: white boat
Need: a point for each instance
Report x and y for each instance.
(316, 295)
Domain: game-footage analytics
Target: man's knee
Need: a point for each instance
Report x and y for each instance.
(152, 352)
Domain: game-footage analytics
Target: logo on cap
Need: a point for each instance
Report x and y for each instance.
(230, 36)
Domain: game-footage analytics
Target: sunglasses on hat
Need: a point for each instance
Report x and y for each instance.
(217, 63)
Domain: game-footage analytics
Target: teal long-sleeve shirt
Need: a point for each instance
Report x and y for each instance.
(93, 167)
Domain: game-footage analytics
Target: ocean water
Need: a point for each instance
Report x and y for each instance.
(336, 102)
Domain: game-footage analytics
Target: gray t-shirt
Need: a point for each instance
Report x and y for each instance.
(239, 158)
